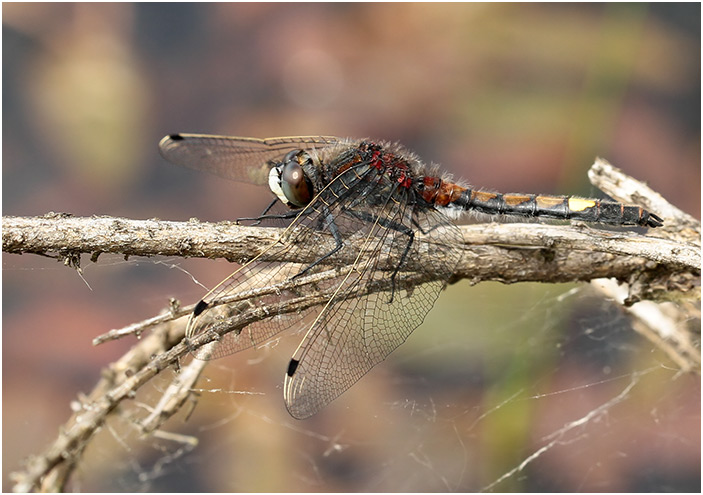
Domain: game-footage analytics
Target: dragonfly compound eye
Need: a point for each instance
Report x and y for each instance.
(295, 185)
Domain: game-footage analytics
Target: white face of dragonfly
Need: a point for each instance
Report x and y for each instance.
(275, 184)
(288, 181)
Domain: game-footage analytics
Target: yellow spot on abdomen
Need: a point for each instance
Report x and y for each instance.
(578, 204)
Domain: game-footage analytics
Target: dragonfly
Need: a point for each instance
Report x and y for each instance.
(377, 206)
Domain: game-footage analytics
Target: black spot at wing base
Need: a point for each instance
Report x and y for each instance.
(200, 307)
(175, 137)
(292, 366)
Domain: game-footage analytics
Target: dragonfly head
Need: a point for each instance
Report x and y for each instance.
(288, 181)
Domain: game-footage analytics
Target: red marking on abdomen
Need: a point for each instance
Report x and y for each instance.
(440, 193)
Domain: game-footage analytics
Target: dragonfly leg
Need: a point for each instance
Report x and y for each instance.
(398, 227)
(334, 230)
(283, 216)
(258, 219)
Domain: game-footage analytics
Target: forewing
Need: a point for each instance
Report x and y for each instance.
(352, 335)
(236, 158)
(230, 318)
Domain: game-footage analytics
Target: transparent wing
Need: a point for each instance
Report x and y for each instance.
(236, 158)
(353, 334)
(375, 302)
(283, 289)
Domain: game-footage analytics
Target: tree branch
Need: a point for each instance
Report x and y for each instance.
(662, 265)
(490, 250)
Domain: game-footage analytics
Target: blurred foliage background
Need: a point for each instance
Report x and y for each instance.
(512, 97)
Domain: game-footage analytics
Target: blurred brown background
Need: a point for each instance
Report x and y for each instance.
(516, 98)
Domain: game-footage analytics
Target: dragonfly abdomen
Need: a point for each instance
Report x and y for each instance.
(557, 207)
